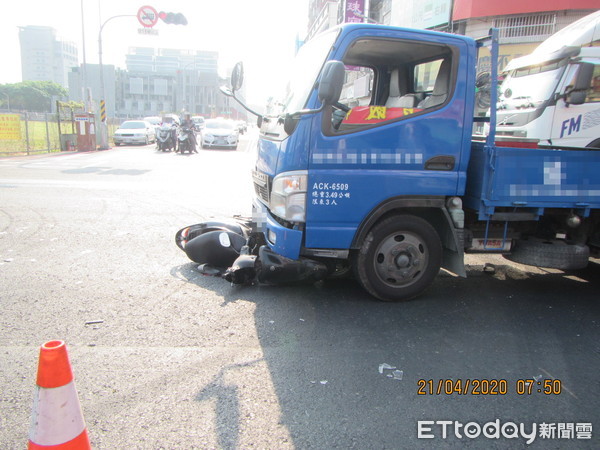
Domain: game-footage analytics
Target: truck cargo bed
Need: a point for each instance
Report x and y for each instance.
(532, 178)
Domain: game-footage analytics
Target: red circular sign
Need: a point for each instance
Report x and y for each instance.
(147, 16)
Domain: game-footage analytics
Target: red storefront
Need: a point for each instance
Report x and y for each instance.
(523, 24)
(469, 9)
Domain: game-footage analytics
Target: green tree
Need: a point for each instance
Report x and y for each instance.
(31, 95)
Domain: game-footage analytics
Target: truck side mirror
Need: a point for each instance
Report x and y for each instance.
(330, 89)
(237, 77)
(237, 80)
(578, 94)
(331, 83)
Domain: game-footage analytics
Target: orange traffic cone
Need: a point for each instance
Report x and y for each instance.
(56, 420)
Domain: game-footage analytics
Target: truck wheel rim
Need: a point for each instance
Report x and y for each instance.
(401, 259)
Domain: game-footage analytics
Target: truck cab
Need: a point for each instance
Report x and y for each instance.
(535, 103)
(398, 140)
(536, 97)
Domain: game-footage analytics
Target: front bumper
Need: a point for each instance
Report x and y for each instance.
(219, 141)
(284, 241)
(129, 139)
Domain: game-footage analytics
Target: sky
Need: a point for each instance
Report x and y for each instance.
(261, 33)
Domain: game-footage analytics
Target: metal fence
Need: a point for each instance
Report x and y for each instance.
(526, 28)
(41, 133)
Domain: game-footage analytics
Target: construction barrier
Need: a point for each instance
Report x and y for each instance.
(56, 421)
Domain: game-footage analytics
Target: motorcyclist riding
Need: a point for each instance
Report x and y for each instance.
(187, 122)
(170, 121)
(166, 137)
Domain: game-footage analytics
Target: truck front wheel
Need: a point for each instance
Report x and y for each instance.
(399, 258)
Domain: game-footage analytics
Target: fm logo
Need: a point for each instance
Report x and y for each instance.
(570, 126)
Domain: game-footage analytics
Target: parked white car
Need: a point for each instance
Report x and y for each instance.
(220, 133)
(135, 132)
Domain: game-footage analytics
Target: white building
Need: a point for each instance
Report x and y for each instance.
(44, 57)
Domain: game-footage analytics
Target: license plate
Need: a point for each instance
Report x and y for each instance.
(259, 178)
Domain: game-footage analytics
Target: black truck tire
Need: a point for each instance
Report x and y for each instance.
(399, 259)
(553, 254)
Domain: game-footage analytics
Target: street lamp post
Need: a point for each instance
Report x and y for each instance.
(103, 124)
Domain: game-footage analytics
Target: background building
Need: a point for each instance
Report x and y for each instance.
(523, 25)
(93, 90)
(322, 14)
(158, 81)
(44, 57)
(169, 80)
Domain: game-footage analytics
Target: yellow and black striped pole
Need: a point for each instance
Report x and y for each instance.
(103, 127)
(102, 110)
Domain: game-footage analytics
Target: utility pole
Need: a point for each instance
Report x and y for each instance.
(148, 18)
(84, 95)
(103, 124)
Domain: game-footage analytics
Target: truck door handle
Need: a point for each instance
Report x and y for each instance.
(442, 162)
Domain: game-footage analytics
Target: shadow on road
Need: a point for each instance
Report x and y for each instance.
(346, 368)
(105, 171)
(226, 397)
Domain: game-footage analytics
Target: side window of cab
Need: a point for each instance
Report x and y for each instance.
(593, 95)
(593, 92)
(390, 80)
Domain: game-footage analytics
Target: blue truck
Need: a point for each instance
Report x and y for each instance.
(368, 164)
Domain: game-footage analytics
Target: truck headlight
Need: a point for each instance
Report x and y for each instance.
(288, 196)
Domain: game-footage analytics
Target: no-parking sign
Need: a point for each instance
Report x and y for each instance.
(147, 16)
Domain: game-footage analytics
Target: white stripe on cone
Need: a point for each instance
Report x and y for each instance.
(56, 416)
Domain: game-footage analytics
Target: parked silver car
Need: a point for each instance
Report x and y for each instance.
(135, 132)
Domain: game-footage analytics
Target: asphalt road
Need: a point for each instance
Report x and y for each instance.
(179, 360)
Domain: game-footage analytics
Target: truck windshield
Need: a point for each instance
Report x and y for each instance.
(529, 87)
(303, 73)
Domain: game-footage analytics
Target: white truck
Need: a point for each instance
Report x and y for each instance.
(533, 96)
